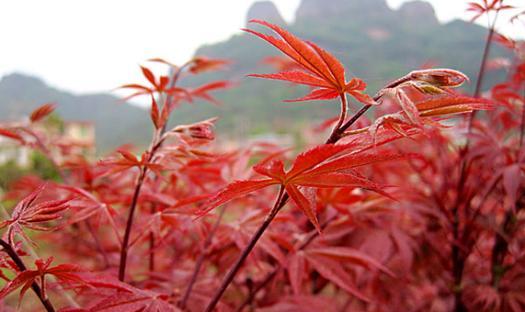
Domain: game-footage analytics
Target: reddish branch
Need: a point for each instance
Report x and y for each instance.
(155, 145)
(336, 135)
(21, 266)
(151, 265)
(282, 198)
(129, 224)
(253, 291)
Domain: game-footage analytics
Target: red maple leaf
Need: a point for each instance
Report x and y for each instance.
(42, 111)
(160, 85)
(320, 167)
(30, 215)
(129, 160)
(319, 69)
(64, 273)
(123, 297)
(8, 133)
(202, 64)
(486, 7)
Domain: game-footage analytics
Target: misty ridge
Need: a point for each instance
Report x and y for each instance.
(373, 41)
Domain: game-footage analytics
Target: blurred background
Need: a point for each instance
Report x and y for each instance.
(75, 53)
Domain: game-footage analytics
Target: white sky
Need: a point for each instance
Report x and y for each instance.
(96, 45)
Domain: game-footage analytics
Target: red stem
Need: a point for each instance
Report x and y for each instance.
(155, 145)
(336, 135)
(152, 243)
(21, 266)
(342, 116)
(482, 69)
(311, 236)
(129, 224)
(282, 198)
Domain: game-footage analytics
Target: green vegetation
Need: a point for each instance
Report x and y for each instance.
(40, 166)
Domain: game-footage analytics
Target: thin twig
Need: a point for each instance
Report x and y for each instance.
(21, 266)
(307, 241)
(342, 115)
(156, 144)
(129, 224)
(151, 265)
(336, 135)
(281, 200)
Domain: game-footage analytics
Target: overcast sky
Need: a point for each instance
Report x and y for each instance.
(96, 45)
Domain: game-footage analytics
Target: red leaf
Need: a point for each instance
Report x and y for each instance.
(125, 297)
(295, 77)
(25, 278)
(154, 113)
(336, 68)
(128, 155)
(319, 94)
(136, 86)
(202, 130)
(313, 157)
(234, 190)
(12, 135)
(162, 61)
(334, 272)
(353, 161)
(42, 111)
(351, 255)
(408, 107)
(298, 50)
(203, 91)
(138, 300)
(202, 64)
(451, 104)
(149, 75)
(65, 273)
(281, 63)
(307, 206)
(27, 213)
(322, 69)
(296, 271)
(335, 179)
(362, 97)
(272, 168)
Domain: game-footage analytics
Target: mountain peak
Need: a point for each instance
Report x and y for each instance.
(265, 10)
(17, 79)
(418, 11)
(321, 8)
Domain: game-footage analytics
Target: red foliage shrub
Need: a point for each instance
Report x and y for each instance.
(399, 212)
